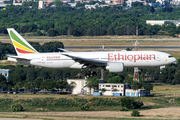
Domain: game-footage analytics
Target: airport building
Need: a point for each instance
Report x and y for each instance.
(79, 88)
(161, 22)
(5, 72)
(112, 89)
(137, 93)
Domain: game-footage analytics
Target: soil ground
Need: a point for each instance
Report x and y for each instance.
(161, 113)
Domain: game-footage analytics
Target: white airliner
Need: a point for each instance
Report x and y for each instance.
(113, 61)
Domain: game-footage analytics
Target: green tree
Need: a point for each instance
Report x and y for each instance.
(92, 82)
(130, 102)
(115, 79)
(48, 84)
(28, 86)
(37, 82)
(3, 81)
(31, 74)
(129, 49)
(52, 46)
(52, 32)
(61, 84)
(177, 77)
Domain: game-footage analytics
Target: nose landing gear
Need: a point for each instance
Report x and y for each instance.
(90, 74)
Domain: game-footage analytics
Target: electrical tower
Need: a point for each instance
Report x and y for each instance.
(136, 70)
(102, 70)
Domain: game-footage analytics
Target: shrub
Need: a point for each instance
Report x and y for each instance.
(16, 107)
(130, 103)
(85, 106)
(135, 113)
(123, 109)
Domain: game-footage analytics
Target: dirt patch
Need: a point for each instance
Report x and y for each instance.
(148, 103)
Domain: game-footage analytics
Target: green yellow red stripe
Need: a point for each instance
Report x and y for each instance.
(22, 47)
(18, 40)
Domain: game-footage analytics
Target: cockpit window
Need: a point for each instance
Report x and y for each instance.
(170, 56)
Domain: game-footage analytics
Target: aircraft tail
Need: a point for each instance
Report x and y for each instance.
(20, 44)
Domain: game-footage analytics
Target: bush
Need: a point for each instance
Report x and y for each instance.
(123, 109)
(85, 106)
(130, 103)
(135, 113)
(16, 107)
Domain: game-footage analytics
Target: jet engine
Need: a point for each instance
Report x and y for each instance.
(115, 67)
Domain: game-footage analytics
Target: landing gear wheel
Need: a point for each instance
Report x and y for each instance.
(87, 75)
(94, 74)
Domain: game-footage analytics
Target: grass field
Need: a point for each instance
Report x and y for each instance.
(157, 89)
(165, 105)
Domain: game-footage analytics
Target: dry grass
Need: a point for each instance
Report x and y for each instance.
(161, 113)
(167, 90)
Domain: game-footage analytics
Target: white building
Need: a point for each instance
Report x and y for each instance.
(175, 2)
(5, 72)
(41, 5)
(129, 2)
(80, 87)
(137, 93)
(161, 22)
(112, 88)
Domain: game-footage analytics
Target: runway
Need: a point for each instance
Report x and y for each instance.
(122, 47)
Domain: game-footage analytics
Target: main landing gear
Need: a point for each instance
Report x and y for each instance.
(90, 74)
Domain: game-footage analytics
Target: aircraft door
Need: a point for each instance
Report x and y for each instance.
(43, 60)
(158, 57)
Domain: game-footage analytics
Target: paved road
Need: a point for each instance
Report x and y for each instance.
(122, 47)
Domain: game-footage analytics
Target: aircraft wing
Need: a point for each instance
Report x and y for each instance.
(88, 62)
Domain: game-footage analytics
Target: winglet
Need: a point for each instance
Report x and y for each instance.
(20, 44)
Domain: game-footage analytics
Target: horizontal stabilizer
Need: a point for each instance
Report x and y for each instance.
(18, 57)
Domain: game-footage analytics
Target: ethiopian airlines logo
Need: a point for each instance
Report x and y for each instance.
(21, 47)
(125, 57)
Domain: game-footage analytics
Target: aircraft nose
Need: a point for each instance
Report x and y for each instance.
(174, 59)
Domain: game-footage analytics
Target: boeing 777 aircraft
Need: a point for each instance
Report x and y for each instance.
(114, 61)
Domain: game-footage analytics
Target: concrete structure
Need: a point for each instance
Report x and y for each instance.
(94, 6)
(175, 2)
(41, 5)
(161, 22)
(129, 2)
(5, 72)
(2, 5)
(112, 88)
(80, 87)
(48, 4)
(137, 93)
(117, 1)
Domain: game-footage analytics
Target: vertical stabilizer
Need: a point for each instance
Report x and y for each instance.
(20, 44)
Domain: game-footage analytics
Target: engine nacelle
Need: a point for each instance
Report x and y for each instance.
(115, 67)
